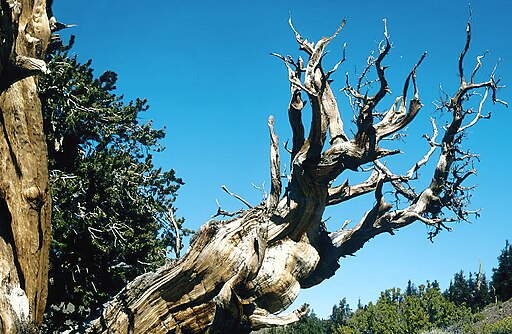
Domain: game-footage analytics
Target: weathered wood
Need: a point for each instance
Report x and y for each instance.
(24, 190)
(239, 273)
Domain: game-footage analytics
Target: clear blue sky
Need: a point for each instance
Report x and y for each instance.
(205, 68)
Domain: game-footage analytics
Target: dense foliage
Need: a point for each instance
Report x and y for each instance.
(472, 292)
(502, 276)
(501, 327)
(111, 205)
(417, 309)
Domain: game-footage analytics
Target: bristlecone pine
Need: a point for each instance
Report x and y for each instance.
(238, 273)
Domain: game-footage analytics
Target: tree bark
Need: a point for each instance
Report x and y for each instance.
(24, 190)
(239, 274)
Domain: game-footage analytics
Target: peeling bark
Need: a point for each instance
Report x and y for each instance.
(24, 190)
(239, 274)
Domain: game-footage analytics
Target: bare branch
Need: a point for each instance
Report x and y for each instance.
(236, 196)
(396, 181)
(465, 50)
(304, 44)
(345, 224)
(261, 188)
(351, 90)
(293, 75)
(325, 114)
(433, 145)
(370, 62)
(275, 168)
(366, 134)
(177, 246)
(261, 318)
(344, 192)
(295, 113)
(383, 52)
(478, 65)
(335, 68)
(478, 114)
(225, 213)
(397, 117)
(285, 146)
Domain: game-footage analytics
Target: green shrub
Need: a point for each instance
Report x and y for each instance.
(504, 326)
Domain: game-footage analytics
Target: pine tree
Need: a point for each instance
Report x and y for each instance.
(339, 316)
(411, 289)
(458, 291)
(502, 276)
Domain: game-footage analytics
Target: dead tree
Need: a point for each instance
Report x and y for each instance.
(239, 273)
(24, 191)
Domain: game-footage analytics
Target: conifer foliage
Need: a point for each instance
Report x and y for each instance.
(502, 276)
(472, 292)
(111, 204)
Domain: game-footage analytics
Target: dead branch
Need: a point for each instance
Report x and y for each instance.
(261, 318)
(275, 168)
(433, 145)
(221, 212)
(249, 267)
(236, 196)
(345, 192)
(177, 246)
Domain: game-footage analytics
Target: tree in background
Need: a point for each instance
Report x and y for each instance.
(501, 283)
(309, 324)
(339, 315)
(380, 317)
(472, 292)
(411, 289)
(112, 208)
(458, 291)
(397, 312)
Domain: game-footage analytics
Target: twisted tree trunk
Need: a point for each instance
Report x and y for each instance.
(24, 190)
(240, 272)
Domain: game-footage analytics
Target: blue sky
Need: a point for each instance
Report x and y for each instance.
(205, 68)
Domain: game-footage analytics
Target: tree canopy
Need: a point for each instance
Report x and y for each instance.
(393, 312)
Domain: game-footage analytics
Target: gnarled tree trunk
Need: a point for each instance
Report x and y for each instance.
(240, 272)
(24, 190)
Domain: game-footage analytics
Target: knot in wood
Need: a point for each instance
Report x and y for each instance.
(32, 194)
